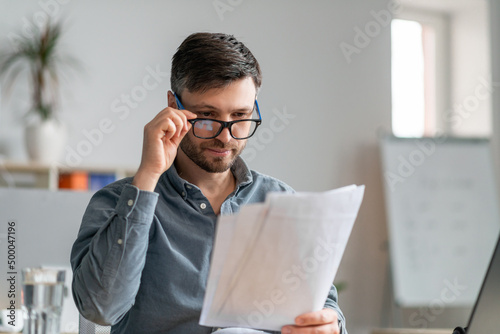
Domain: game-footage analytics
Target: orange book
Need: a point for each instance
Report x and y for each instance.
(74, 181)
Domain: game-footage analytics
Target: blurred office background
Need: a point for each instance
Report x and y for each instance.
(326, 97)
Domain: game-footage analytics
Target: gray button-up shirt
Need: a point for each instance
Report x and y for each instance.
(141, 259)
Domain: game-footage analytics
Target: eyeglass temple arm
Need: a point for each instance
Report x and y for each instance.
(258, 110)
(179, 104)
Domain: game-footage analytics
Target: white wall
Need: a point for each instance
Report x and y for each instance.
(338, 106)
(471, 69)
(494, 25)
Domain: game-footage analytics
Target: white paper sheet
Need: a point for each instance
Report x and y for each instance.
(276, 260)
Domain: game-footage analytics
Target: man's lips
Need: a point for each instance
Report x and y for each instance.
(218, 151)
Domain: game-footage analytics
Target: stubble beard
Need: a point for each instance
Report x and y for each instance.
(214, 165)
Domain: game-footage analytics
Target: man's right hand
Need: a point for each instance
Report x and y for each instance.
(162, 137)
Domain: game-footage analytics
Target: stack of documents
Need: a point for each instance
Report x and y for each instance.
(276, 260)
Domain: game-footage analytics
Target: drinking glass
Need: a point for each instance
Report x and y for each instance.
(42, 298)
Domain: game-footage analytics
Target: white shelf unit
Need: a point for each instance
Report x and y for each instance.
(35, 175)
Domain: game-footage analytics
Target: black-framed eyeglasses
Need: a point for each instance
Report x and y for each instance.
(206, 128)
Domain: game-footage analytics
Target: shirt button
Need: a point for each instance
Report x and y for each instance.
(183, 194)
(188, 186)
(130, 202)
(203, 206)
(120, 241)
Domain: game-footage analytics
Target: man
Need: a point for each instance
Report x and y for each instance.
(142, 255)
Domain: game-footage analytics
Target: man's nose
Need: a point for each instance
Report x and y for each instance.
(224, 136)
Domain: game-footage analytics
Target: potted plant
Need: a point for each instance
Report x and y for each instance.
(39, 56)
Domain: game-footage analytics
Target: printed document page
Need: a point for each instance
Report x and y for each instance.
(276, 260)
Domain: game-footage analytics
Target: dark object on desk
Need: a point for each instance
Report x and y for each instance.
(460, 330)
(485, 316)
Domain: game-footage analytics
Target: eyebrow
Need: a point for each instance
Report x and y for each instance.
(211, 107)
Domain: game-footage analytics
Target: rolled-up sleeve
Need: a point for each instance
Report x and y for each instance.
(332, 303)
(110, 252)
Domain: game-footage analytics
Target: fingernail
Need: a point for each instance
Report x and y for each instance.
(286, 330)
(300, 321)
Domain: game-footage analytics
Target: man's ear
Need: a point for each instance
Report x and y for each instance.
(171, 100)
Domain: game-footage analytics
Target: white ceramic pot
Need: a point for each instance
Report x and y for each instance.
(45, 141)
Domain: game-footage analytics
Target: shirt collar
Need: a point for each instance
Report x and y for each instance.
(239, 169)
(241, 172)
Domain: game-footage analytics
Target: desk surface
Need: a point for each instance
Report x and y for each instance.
(375, 331)
(411, 331)
(384, 331)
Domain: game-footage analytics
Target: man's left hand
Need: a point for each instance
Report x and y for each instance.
(320, 322)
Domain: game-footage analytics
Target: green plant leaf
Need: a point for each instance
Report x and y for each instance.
(341, 286)
(39, 55)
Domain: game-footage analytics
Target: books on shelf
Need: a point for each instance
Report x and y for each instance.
(81, 180)
(99, 180)
(75, 180)
(34, 175)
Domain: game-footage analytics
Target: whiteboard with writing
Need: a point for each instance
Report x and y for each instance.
(443, 218)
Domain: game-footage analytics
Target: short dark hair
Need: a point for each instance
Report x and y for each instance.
(212, 60)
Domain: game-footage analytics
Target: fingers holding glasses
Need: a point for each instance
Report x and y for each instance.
(172, 122)
(162, 136)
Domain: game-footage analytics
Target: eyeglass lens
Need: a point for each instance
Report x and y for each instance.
(210, 129)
